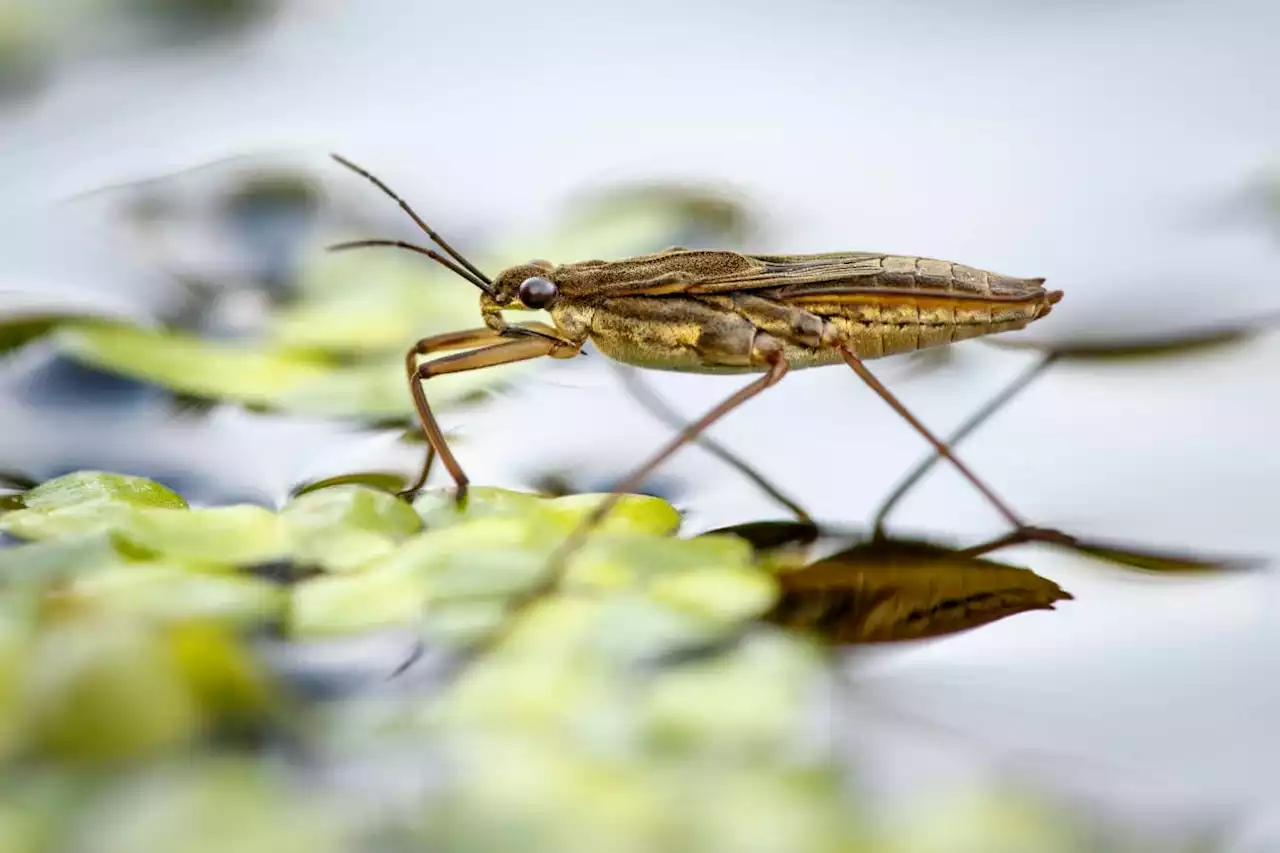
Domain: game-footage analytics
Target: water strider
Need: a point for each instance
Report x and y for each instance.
(709, 311)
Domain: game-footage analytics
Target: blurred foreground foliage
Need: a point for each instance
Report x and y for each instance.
(154, 693)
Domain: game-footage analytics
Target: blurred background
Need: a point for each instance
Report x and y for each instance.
(164, 163)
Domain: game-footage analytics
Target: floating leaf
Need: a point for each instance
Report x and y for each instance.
(290, 380)
(372, 302)
(190, 364)
(460, 624)
(439, 508)
(621, 560)
(87, 487)
(748, 702)
(631, 514)
(41, 563)
(379, 391)
(499, 555)
(480, 559)
(85, 502)
(164, 593)
(344, 604)
(381, 301)
(239, 535)
(101, 691)
(344, 527)
(725, 594)
(229, 685)
(382, 481)
(226, 804)
(886, 591)
(617, 632)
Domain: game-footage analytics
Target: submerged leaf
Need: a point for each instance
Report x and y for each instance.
(887, 591)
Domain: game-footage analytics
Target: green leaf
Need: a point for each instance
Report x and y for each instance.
(215, 806)
(231, 687)
(632, 513)
(189, 364)
(289, 380)
(382, 481)
(89, 487)
(439, 509)
(102, 691)
(372, 302)
(345, 527)
(341, 604)
(462, 623)
(485, 557)
(727, 594)
(379, 390)
(83, 503)
(238, 535)
(382, 300)
(635, 513)
(618, 559)
(747, 703)
(42, 563)
(158, 592)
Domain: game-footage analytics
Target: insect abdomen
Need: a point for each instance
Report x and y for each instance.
(927, 274)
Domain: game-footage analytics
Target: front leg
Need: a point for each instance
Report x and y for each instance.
(540, 340)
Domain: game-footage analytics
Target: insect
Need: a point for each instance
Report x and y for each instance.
(710, 311)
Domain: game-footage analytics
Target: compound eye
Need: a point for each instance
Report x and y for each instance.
(537, 292)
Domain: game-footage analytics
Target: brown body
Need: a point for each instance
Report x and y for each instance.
(704, 311)
(711, 311)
